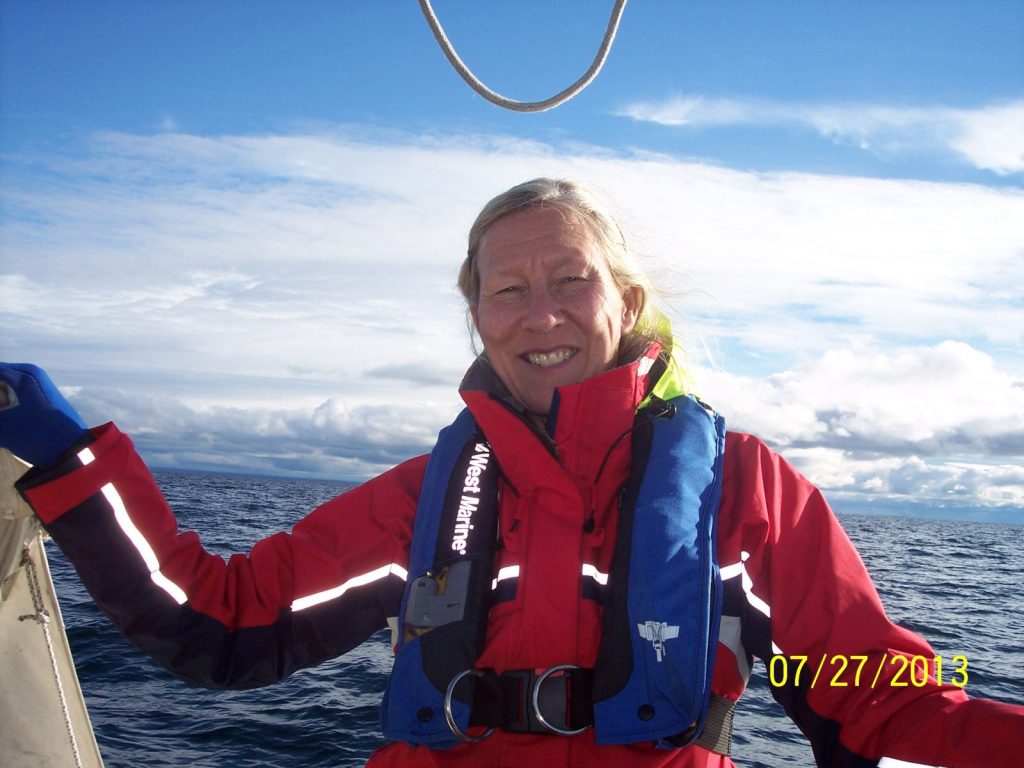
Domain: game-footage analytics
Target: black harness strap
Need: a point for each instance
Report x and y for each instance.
(567, 702)
(506, 701)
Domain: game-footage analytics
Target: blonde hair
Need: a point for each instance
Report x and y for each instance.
(580, 205)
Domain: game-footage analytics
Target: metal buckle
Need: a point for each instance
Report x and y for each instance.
(449, 716)
(535, 701)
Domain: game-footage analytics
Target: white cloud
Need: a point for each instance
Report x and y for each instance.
(992, 138)
(268, 292)
(947, 399)
(937, 423)
(334, 438)
(911, 479)
(989, 137)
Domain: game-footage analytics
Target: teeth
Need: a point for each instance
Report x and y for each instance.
(544, 359)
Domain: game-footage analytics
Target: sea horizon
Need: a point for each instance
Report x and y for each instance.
(841, 503)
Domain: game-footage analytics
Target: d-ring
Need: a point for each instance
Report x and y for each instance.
(449, 716)
(535, 701)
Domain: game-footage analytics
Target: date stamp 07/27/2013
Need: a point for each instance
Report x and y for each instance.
(853, 671)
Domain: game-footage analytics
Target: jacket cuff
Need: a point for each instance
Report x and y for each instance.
(78, 474)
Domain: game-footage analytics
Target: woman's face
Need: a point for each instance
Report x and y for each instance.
(549, 312)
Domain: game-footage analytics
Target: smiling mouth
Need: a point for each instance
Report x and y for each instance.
(546, 359)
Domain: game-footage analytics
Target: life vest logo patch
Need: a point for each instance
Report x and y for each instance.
(657, 632)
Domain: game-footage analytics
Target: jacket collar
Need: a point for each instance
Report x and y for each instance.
(586, 422)
(639, 376)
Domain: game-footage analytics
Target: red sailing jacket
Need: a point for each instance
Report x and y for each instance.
(792, 583)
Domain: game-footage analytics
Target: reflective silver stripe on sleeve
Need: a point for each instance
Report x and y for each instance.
(141, 545)
(356, 581)
(739, 569)
(508, 572)
(596, 575)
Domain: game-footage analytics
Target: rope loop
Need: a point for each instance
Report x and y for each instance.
(525, 106)
(40, 617)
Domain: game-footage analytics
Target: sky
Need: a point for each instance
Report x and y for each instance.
(234, 228)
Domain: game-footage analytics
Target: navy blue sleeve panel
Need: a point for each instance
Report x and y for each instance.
(804, 593)
(295, 600)
(823, 734)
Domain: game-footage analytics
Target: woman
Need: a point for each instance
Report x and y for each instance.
(580, 574)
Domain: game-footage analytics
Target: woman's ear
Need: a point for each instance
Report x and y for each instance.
(632, 300)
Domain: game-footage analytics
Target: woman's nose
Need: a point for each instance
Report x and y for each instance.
(542, 312)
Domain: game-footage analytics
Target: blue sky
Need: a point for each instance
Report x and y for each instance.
(233, 227)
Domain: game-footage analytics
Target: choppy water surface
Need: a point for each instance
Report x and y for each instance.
(958, 584)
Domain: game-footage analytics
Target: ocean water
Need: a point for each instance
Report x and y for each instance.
(958, 584)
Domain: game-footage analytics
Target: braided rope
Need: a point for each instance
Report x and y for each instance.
(525, 106)
(42, 617)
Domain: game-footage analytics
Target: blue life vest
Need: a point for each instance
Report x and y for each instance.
(664, 585)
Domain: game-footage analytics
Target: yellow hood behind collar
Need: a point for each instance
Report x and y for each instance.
(675, 381)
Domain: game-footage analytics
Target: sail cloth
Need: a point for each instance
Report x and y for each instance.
(43, 719)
